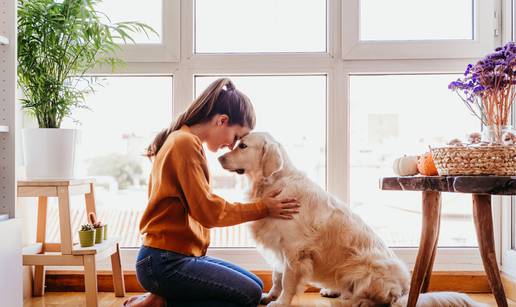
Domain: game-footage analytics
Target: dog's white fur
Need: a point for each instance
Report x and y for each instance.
(326, 244)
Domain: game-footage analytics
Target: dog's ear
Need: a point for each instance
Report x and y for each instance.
(272, 161)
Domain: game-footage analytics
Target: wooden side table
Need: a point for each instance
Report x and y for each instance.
(67, 253)
(481, 188)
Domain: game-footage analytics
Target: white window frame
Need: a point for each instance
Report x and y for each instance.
(168, 49)
(338, 72)
(508, 261)
(355, 49)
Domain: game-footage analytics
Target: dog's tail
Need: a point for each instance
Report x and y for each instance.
(440, 299)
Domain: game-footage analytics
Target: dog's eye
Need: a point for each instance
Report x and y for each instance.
(242, 146)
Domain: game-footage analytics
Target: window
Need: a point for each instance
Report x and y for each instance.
(235, 26)
(126, 113)
(343, 120)
(417, 29)
(161, 15)
(296, 101)
(507, 212)
(403, 115)
(404, 20)
(148, 12)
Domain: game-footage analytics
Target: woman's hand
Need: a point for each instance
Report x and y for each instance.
(281, 208)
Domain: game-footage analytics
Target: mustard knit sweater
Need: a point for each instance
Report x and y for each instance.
(181, 207)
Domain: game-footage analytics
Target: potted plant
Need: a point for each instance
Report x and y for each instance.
(58, 42)
(98, 226)
(87, 235)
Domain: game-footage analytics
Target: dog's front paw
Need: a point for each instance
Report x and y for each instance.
(267, 298)
(363, 303)
(277, 304)
(326, 292)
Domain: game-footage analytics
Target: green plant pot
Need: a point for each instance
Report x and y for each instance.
(98, 235)
(105, 231)
(87, 238)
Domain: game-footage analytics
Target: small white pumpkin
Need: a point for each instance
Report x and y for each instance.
(405, 166)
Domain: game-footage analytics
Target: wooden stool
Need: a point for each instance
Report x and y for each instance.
(68, 253)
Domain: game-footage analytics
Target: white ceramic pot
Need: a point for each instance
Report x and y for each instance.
(49, 153)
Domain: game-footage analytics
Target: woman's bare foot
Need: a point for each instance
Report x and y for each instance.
(146, 300)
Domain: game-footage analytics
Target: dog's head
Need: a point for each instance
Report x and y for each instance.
(257, 154)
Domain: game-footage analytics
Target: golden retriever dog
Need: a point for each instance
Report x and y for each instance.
(326, 244)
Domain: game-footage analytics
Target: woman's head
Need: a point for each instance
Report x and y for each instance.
(220, 105)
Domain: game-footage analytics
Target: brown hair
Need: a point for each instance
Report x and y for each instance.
(221, 97)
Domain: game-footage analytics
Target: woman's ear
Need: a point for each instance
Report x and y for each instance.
(222, 119)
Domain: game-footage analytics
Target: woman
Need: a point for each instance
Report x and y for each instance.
(171, 264)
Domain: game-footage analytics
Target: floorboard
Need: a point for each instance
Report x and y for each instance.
(108, 299)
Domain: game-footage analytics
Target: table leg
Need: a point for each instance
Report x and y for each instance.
(483, 219)
(427, 244)
(426, 281)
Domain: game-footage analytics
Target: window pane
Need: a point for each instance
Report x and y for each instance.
(296, 101)
(148, 12)
(260, 26)
(403, 115)
(416, 19)
(126, 113)
(513, 222)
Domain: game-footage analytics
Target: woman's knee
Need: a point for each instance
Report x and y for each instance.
(253, 292)
(259, 282)
(145, 275)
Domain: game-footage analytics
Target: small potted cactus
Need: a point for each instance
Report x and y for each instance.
(87, 235)
(99, 228)
(105, 232)
(93, 220)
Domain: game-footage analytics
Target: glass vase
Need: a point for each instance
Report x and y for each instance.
(493, 134)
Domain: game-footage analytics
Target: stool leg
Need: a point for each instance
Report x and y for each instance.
(90, 201)
(39, 281)
(65, 224)
(427, 244)
(118, 274)
(90, 281)
(39, 270)
(482, 216)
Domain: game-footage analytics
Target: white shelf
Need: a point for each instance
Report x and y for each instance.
(4, 128)
(4, 40)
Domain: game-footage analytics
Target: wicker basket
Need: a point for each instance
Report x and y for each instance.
(475, 160)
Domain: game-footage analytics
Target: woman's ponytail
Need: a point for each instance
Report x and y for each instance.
(221, 97)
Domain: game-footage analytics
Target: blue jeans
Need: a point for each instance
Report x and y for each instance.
(196, 281)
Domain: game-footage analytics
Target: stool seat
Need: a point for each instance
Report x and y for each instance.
(106, 246)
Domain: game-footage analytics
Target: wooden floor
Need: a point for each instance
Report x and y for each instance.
(108, 299)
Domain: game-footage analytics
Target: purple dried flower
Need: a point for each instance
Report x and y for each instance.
(493, 76)
(468, 69)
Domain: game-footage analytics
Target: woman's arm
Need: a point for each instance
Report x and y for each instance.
(210, 210)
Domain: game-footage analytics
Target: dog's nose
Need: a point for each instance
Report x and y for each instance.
(222, 159)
